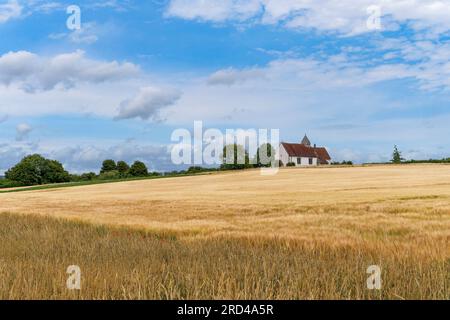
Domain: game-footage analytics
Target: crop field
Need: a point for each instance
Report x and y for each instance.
(301, 234)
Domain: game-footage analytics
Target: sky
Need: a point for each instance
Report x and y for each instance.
(357, 76)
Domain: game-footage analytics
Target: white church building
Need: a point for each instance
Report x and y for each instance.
(303, 154)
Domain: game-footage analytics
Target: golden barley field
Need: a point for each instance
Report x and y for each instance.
(301, 234)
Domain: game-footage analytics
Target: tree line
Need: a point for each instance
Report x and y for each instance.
(37, 170)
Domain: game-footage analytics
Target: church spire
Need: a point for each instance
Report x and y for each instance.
(306, 141)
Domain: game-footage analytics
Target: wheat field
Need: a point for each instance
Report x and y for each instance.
(301, 234)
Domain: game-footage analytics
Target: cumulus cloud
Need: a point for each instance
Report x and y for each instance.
(10, 10)
(32, 72)
(85, 158)
(82, 158)
(148, 103)
(343, 16)
(10, 154)
(22, 131)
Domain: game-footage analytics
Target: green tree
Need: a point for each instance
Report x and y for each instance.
(123, 168)
(138, 169)
(108, 165)
(235, 157)
(265, 155)
(396, 156)
(35, 169)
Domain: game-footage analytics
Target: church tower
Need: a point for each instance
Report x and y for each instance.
(306, 141)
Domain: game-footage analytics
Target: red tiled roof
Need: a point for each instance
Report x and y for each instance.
(323, 154)
(301, 150)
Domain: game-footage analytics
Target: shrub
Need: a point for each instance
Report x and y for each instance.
(343, 163)
(88, 176)
(109, 175)
(75, 177)
(4, 183)
(290, 164)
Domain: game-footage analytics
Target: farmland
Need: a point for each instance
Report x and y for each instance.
(302, 234)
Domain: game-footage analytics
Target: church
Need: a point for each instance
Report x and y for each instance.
(303, 154)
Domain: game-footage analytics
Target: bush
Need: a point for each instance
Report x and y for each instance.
(175, 173)
(138, 169)
(75, 178)
(200, 169)
(88, 176)
(343, 163)
(4, 183)
(109, 175)
(35, 170)
(290, 164)
(445, 160)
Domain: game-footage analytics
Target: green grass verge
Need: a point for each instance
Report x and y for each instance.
(92, 182)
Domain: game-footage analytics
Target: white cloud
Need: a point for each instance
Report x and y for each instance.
(232, 76)
(148, 103)
(214, 10)
(89, 157)
(85, 35)
(81, 157)
(47, 7)
(308, 73)
(22, 131)
(10, 154)
(32, 72)
(426, 62)
(118, 5)
(88, 34)
(10, 10)
(343, 16)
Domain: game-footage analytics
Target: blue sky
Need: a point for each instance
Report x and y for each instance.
(138, 70)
